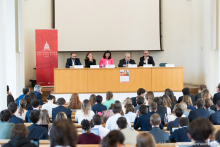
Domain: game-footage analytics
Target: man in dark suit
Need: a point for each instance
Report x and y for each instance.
(201, 87)
(72, 61)
(186, 91)
(180, 135)
(171, 124)
(199, 112)
(36, 106)
(140, 92)
(152, 110)
(215, 117)
(37, 91)
(126, 61)
(98, 107)
(36, 131)
(60, 108)
(140, 101)
(13, 108)
(159, 135)
(160, 109)
(146, 59)
(217, 95)
(25, 91)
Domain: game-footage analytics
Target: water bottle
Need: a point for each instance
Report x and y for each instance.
(165, 118)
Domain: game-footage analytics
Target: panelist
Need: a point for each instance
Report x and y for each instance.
(126, 61)
(146, 59)
(89, 60)
(106, 59)
(72, 61)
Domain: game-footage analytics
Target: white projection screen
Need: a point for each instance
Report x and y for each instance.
(115, 25)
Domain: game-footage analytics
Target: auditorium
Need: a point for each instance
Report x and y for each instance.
(110, 73)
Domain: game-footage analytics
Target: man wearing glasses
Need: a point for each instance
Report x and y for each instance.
(146, 59)
(72, 61)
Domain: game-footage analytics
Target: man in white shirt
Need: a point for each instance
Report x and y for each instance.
(111, 122)
(97, 121)
(49, 105)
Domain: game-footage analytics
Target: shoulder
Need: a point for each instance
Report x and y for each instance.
(122, 60)
(68, 59)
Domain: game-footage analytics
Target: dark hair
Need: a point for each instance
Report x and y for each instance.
(186, 91)
(217, 136)
(107, 52)
(85, 124)
(218, 103)
(97, 119)
(116, 109)
(129, 108)
(219, 86)
(202, 86)
(145, 140)
(200, 103)
(109, 95)
(7, 88)
(5, 115)
(155, 119)
(112, 139)
(169, 92)
(12, 107)
(178, 112)
(157, 100)
(10, 99)
(118, 103)
(200, 129)
(19, 130)
(208, 103)
(73, 53)
(122, 122)
(143, 109)
(140, 91)
(28, 99)
(64, 133)
(86, 58)
(35, 103)
(98, 98)
(34, 116)
(61, 101)
(183, 121)
(50, 97)
(153, 106)
(140, 100)
(25, 90)
(33, 95)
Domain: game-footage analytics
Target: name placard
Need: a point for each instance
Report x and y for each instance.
(132, 65)
(110, 66)
(94, 66)
(78, 66)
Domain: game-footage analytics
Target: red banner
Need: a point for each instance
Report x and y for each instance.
(46, 56)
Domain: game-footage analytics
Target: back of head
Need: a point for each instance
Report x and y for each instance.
(129, 108)
(200, 103)
(97, 119)
(149, 95)
(169, 92)
(153, 106)
(10, 99)
(12, 107)
(168, 101)
(155, 119)
(22, 106)
(187, 99)
(28, 99)
(98, 99)
(200, 129)
(86, 107)
(34, 116)
(140, 91)
(183, 105)
(183, 121)
(163, 102)
(61, 101)
(85, 125)
(35, 103)
(92, 99)
(64, 134)
(205, 94)
(217, 136)
(118, 103)
(178, 112)
(145, 140)
(5, 115)
(50, 97)
(61, 115)
(143, 109)
(25, 90)
(186, 91)
(203, 86)
(37, 87)
(218, 104)
(44, 117)
(112, 139)
(109, 95)
(178, 105)
(128, 100)
(19, 130)
(157, 100)
(122, 122)
(74, 102)
(116, 109)
(33, 95)
(140, 100)
(208, 103)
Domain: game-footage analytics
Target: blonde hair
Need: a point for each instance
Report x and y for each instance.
(44, 117)
(145, 140)
(86, 107)
(22, 106)
(205, 94)
(178, 105)
(92, 99)
(149, 97)
(187, 99)
(168, 101)
(128, 100)
(61, 115)
(183, 105)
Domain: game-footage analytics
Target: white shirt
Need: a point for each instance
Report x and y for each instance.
(73, 61)
(79, 116)
(172, 117)
(102, 131)
(21, 116)
(112, 125)
(49, 107)
(131, 116)
(106, 62)
(168, 111)
(146, 62)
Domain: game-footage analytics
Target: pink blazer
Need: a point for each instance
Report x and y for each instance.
(103, 61)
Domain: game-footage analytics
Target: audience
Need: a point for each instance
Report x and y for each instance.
(74, 103)
(60, 108)
(199, 112)
(215, 117)
(207, 106)
(216, 96)
(49, 105)
(159, 135)
(130, 136)
(166, 102)
(171, 124)
(108, 113)
(160, 109)
(201, 87)
(149, 97)
(36, 106)
(10, 99)
(145, 140)
(97, 122)
(5, 126)
(180, 135)
(33, 95)
(25, 91)
(125, 102)
(28, 105)
(114, 139)
(88, 137)
(111, 122)
(140, 92)
(21, 112)
(37, 91)
(92, 99)
(109, 99)
(186, 91)
(36, 131)
(44, 117)
(185, 110)
(169, 92)
(19, 135)
(153, 110)
(188, 101)
(98, 107)
(129, 112)
(139, 101)
(13, 108)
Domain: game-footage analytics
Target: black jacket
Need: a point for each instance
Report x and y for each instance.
(88, 63)
(19, 142)
(149, 61)
(69, 62)
(123, 62)
(162, 111)
(216, 98)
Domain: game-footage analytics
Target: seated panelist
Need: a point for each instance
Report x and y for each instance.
(126, 61)
(146, 59)
(89, 60)
(72, 61)
(106, 59)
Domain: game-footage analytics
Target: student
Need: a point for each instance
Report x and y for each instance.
(10, 99)
(36, 131)
(216, 96)
(25, 92)
(129, 112)
(5, 126)
(188, 101)
(44, 117)
(13, 108)
(109, 99)
(146, 140)
(74, 103)
(28, 99)
(37, 91)
(140, 101)
(215, 117)
(49, 105)
(201, 87)
(92, 99)
(153, 110)
(171, 124)
(207, 106)
(130, 136)
(149, 97)
(98, 107)
(180, 135)
(33, 95)
(114, 139)
(167, 103)
(36, 106)
(21, 112)
(186, 91)
(160, 109)
(169, 92)
(140, 92)
(172, 117)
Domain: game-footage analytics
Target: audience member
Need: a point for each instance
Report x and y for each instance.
(98, 107)
(109, 99)
(44, 117)
(171, 124)
(153, 110)
(92, 99)
(172, 117)
(160, 109)
(36, 131)
(140, 101)
(36, 106)
(169, 92)
(188, 101)
(185, 110)
(146, 140)
(205, 94)
(21, 113)
(199, 112)
(149, 97)
(201, 87)
(129, 112)
(97, 122)
(140, 92)
(215, 117)
(130, 136)
(159, 135)
(217, 136)
(61, 115)
(108, 113)
(166, 102)
(114, 139)
(118, 103)
(10, 99)
(207, 106)
(19, 135)
(13, 108)
(5, 126)
(74, 103)
(180, 135)
(37, 91)
(186, 91)
(60, 108)
(49, 105)
(33, 95)
(128, 100)
(25, 91)
(28, 105)
(88, 137)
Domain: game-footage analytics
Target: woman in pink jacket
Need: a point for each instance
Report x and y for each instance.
(106, 59)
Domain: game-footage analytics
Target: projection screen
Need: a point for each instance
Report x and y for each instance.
(115, 25)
